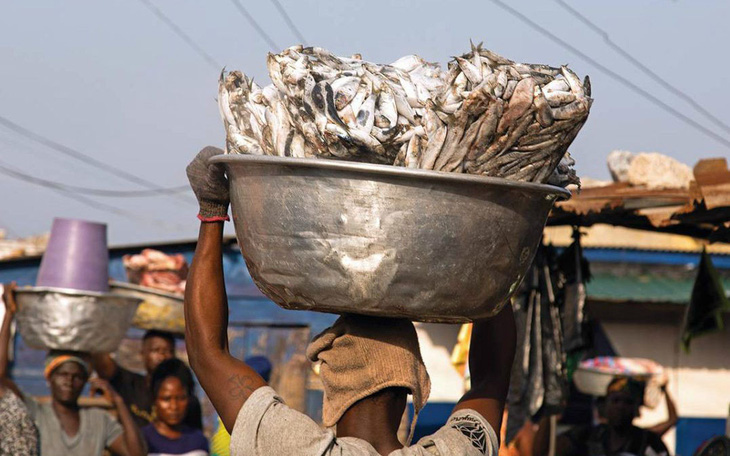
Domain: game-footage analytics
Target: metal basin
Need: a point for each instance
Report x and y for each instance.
(346, 237)
(158, 309)
(57, 318)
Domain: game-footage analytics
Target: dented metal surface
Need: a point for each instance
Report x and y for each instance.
(348, 237)
(56, 318)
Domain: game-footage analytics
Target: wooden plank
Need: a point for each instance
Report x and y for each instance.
(713, 179)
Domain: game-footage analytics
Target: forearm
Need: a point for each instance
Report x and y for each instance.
(541, 443)
(132, 436)
(104, 365)
(671, 421)
(5, 344)
(227, 381)
(491, 353)
(206, 307)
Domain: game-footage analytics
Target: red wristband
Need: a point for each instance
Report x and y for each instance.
(214, 219)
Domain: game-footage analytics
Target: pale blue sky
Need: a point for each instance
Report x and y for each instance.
(109, 79)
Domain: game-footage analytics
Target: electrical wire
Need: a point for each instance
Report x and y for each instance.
(184, 36)
(289, 22)
(664, 106)
(636, 62)
(274, 47)
(4, 169)
(53, 145)
(61, 190)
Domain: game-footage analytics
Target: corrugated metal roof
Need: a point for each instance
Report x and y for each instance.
(642, 288)
(618, 237)
(702, 211)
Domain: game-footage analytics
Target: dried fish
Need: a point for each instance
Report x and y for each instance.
(486, 114)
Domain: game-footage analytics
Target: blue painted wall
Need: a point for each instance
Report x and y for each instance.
(691, 432)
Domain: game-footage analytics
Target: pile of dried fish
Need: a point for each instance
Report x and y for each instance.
(486, 115)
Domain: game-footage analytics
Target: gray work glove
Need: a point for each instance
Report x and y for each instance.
(210, 186)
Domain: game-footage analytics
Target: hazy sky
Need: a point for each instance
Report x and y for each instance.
(109, 79)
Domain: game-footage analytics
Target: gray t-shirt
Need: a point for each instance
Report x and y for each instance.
(266, 426)
(97, 431)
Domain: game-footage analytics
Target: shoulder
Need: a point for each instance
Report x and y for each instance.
(126, 375)
(465, 433)
(34, 407)
(99, 417)
(258, 403)
(196, 438)
(148, 430)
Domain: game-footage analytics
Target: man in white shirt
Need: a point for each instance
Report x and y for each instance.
(369, 365)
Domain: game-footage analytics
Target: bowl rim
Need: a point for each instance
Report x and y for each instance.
(126, 286)
(76, 293)
(390, 170)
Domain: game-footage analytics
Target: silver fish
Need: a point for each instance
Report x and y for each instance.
(472, 73)
(345, 89)
(556, 98)
(366, 115)
(386, 114)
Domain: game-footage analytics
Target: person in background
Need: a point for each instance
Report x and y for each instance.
(135, 389)
(617, 436)
(65, 428)
(221, 441)
(172, 386)
(18, 434)
(368, 366)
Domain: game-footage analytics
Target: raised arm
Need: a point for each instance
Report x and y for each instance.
(10, 309)
(104, 365)
(227, 381)
(131, 442)
(672, 418)
(491, 352)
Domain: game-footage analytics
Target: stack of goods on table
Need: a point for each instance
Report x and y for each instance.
(397, 189)
(71, 306)
(159, 280)
(485, 115)
(593, 376)
(155, 269)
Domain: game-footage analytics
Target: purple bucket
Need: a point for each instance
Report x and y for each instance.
(76, 257)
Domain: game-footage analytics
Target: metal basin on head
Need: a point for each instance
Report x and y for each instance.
(347, 237)
(63, 319)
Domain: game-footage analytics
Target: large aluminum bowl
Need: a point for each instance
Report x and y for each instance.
(57, 318)
(347, 237)
(158, 310)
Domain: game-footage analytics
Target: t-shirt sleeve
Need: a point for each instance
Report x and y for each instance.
(466, 433)
(112, 428)
(266, 425)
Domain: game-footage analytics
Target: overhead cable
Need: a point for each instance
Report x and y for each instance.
(241, 9)
(648, 71)
(59, 189)
(661, 104)
(92, 191)
(184, 36)
(80, 156)
(289, 22)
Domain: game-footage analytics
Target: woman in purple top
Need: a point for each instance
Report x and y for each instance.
(172, 385)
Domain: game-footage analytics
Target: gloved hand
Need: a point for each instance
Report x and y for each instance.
(210, 185)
